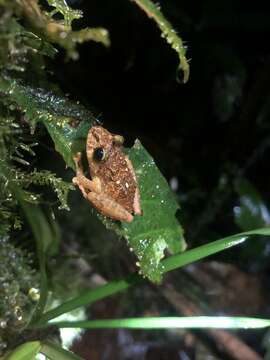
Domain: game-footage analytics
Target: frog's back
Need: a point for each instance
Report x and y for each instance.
(118, 178)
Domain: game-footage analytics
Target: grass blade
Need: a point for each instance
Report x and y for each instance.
(201, 252)
(188, 322)
(90, 297)
(26, 351)
(168, 264)
(55, 352)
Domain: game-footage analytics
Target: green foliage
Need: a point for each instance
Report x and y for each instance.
(158, 229)
(30, 350)
(29, 101)
(148, 235)
(60, 31)
(187, 322)
(168, 264)
(62, 8)
(23, 291)
(60, 116)
(26, 351)
(18, 289)
(44, 231)
(12, 149)
(19, 46)
(150, 239)
(45, 177)
(55, 352)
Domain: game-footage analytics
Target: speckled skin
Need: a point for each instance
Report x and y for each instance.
(113, 189)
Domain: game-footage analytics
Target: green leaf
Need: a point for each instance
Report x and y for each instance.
(68, 140)
(62, 118)
(187, 322)
(26, 351)
(157, 229)
(55, 352)
(252, 211)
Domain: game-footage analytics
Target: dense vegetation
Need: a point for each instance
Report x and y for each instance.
(68, 65)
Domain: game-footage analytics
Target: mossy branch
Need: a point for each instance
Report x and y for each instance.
(60, 31)
(168, 33)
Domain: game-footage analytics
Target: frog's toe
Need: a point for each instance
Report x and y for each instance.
(75, 180)
(77, 157)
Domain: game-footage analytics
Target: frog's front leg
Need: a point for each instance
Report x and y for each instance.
(84, 184)
(109, 207)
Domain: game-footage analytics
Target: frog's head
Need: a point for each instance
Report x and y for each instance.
(99, 144)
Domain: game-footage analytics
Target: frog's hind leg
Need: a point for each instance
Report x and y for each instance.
(108, 207)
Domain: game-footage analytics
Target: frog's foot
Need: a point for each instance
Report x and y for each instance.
(86, 185)
(108, 207)
(77, 181)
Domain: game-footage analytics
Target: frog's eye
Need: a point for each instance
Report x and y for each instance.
(99, 154)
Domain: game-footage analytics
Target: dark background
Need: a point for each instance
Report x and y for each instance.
(203, 132)
(210, 135)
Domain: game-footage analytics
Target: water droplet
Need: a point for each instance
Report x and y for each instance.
(63, 35)
(18, 313)
(3, 324)
(34, 294)
(3, 345)
(174, 183)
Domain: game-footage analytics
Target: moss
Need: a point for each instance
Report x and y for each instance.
(18, 282)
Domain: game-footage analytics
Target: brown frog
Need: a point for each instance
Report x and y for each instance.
(113, 188)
